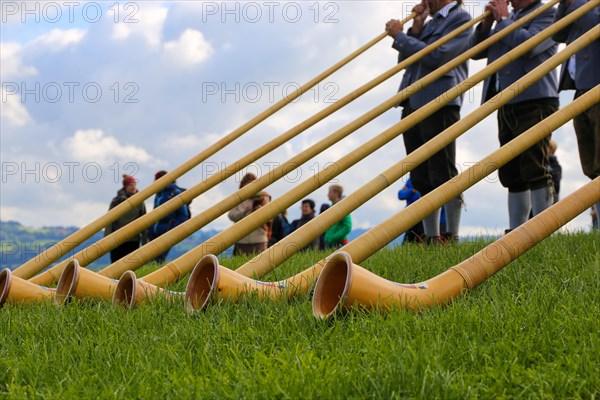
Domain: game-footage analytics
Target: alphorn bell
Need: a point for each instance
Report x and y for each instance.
(343, 284)
(79, 282)
(76, 281)
(210, 280)
(17, 290)
(131, 291)
(392, 174)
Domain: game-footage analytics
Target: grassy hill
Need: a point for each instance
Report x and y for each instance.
(530, 331)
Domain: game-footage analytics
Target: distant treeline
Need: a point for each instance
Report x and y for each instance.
(19, 243)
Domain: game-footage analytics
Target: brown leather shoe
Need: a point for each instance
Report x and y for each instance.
(434, 240)
(449, 238)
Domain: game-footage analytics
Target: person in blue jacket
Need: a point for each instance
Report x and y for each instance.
(408, 193)
(172, 220)
(416, 233)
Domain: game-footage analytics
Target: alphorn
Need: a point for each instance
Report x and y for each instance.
(172, 270)
(210, 281)
(101, 247)
(48, 256)
(18, 290)
(156, 247)
(281, 251)
(342, 284)
(302, 282)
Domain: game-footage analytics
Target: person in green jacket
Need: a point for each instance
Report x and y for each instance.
(337, 235)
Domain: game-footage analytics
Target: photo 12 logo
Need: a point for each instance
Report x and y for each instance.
(269, 11)
(291, 172)
(66, 171)
(53, 12)
(254, 92)
(55, 92)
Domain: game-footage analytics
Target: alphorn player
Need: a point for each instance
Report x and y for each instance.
(526, 177)
(446, 16)
(581, 73)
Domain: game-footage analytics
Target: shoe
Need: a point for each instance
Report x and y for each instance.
(434, 240)
(449, 238)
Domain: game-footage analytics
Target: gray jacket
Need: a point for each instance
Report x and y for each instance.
(408, 44)
(547, 86)
(587, 61)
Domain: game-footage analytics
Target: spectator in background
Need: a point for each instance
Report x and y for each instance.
(416, 233)
(337, 235)
(172, 220)
(135, 241)
(280, 228)
(410, 194)
(554, 169)
(307, 209)
(258, 240)
(324, 207)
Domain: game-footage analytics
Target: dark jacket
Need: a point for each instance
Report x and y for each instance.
(587, 72)
(547, 86)
(125, 219)
(408, 44)
(304, 219)
(174, 219)
(280, 229)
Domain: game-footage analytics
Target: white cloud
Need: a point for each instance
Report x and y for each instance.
(146, 22)
(189, 49)
(13, 111)
(12, 63)
(94, 145)
(58, 39)
(187, 141)
(11, 53)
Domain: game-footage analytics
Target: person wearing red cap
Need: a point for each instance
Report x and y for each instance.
(129, 189)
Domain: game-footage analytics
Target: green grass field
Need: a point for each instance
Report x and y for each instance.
(530, 331)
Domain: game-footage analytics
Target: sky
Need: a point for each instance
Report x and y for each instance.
(92, 90)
